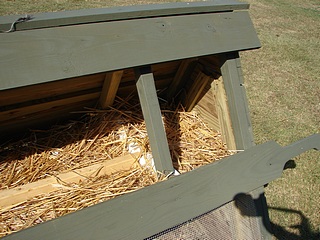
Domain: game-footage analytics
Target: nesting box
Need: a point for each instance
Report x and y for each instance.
(54, 64)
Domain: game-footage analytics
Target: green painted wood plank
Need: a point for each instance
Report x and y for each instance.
(44, 20)
(158, 207)
(242, 128)
(154, 124)
(237, 101)
(44, 55)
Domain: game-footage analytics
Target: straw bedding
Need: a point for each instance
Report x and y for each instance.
(99, 135)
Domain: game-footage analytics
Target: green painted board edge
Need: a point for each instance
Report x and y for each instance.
(65, 18)
(152, 116)
(44, 55)
(153, 209)
(242, 127)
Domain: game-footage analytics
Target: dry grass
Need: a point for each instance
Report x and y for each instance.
(100, 135)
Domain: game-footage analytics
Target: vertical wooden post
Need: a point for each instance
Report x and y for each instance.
(239, 113)
(152, 116)
(110, 87)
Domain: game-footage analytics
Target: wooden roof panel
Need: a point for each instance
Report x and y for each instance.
(84, 16)
(45, 55)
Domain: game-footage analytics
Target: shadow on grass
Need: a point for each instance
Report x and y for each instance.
(243, 203)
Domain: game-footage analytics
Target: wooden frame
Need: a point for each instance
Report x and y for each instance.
(75, 45)
(148, 211)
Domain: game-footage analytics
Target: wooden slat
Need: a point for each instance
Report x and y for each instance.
(23, 112)
(237, 101)
(195, 90)
(154, 124)
(110, 88)
(224, 114)
(11, 197)
(242, 127)
(207, 109)
(44, 55)
(44, 118)
(51, 89)
(45, 20)
(171, 202)
(178, 78)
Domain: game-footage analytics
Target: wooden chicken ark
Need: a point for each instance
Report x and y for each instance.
(53, 64)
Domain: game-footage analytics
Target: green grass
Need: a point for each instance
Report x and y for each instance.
(283, 87)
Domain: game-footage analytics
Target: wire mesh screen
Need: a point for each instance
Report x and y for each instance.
(234, 220)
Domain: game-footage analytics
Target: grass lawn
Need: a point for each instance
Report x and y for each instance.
(283, 86)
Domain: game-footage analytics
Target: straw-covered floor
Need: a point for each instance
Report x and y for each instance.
(98, 136)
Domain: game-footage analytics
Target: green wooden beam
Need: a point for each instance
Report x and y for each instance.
(153, 209)
(154, 124)
(65, 18)
(241, 125)
(237, 101)
(44, 55)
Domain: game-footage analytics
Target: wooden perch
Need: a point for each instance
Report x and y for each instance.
(14, 196)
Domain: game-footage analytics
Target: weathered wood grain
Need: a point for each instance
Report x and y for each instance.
(241, 126)
(195, 91)
(20, 113)
(207, 109)
(11, 197)
(224, 114)
(110, 88)
(150, 210)
(44, 118)
(56, 19)
(49, 90)
(44, 55)
(178, 78)
(237, 101)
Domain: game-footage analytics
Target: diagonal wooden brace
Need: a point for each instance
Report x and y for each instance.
(152, 116)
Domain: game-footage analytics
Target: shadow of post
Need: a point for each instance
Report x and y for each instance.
(304, 227)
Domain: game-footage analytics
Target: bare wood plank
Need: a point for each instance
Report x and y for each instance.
(11, 197)
(224, 114)
(171, 202)
(51, 54)
(154, 124)
(206, 108)
(237, 101)
(241, 125)
(178, 78)
(45, 20)
(195, 90)
(51, 89)
(44, 118)
(110, 87)
(33, 109)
